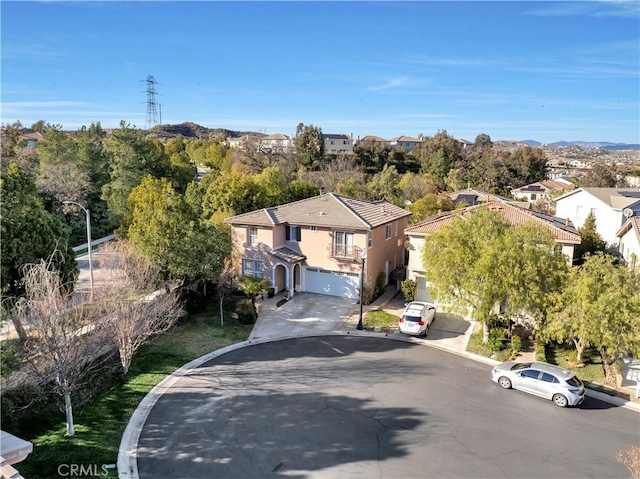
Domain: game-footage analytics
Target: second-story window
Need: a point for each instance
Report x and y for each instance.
(369, 239)
(253, 235)
(388, 232)
(294, 233)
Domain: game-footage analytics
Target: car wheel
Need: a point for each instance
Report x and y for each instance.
(426, 331)
(505, 382)
(560, 400)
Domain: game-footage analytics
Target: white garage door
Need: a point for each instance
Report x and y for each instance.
(333, 283)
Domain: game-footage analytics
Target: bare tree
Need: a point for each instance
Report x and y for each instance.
(227, 282)
(135, 310)
(66, 342)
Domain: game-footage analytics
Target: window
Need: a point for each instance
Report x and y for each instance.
(388, 232)
(313, 229)
(293, 233)
(396, 228)
(252, 267)
(549, 378)
(369, 239)
(253, 235)
(343, 244)
(530, 373)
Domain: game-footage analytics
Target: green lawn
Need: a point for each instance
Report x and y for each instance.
(380, 318)
(100, 424)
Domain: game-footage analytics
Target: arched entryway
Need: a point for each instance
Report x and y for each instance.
(297, 281)
(280, 277)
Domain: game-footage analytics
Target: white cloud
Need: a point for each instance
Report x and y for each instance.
(391, 84)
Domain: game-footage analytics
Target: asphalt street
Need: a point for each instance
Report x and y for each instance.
(364, 407)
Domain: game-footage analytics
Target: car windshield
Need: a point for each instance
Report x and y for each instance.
(518, 366)
(413, 319)
(574, 381)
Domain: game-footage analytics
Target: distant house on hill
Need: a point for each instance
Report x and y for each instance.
(408, 143)
(542, 189)
(276, 143)
(32, 139)
(337, 143)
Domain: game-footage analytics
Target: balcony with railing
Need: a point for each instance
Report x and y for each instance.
(345, 251)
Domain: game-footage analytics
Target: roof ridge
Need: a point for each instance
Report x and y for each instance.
(339, 199)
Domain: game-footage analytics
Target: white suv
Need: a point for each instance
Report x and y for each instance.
(416, 318)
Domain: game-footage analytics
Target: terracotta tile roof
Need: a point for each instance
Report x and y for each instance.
(287, 254)
(515, 215)
(406, 138)
(330, 210)
(373, 138)
(475, 197)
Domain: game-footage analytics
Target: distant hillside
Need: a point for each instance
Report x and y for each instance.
(605, 145)
(193, 130)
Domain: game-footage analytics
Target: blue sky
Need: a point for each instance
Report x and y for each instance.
(515, 70)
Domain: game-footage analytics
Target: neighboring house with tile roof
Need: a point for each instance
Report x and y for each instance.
(334, 144)
(408, 143)
(472, 197)
(541, 189)
(317, 244)
(32, 139)
(608, 205)
(565, 234)
(629, 242)
(276, 143)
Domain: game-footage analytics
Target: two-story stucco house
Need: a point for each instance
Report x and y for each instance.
(610, 207)
(334, 144)
(564, 233)
(318, 244)
(541, 189)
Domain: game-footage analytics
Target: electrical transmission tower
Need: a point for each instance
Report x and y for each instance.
(152, 106)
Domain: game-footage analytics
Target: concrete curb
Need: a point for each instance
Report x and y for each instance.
(127, 454)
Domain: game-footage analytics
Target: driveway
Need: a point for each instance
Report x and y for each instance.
(369, 407)
(304, 314)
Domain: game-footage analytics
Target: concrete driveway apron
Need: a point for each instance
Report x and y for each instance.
(304, 314)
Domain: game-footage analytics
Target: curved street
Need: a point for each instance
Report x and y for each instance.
(360, 407)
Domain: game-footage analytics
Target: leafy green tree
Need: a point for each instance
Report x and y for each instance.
(599, 307)
(385, 185)
(219, 157)
(133, 156)
(232, 192)
(166, 231)
(415, 186)
(92, 158)
(29, 232)
(56, 147)
(437, 155)
(600, 176)
(592, 242)
(371, 155)
(309, 144)
(429, 205)
(481, 261)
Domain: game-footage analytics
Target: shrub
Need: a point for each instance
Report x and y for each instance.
(497, 337)
(541, 352)
(515, 347)
(246, 312)
(9, 358)
(409, 290)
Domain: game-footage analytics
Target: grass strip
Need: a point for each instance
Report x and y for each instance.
(101, 423)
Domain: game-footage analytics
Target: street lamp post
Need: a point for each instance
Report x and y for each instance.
(86, 210)
(360, 326)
